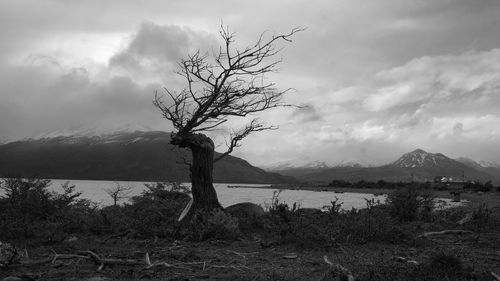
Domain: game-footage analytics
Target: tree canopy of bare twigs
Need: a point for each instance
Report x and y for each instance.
(229, 83)
(118, 192)
(231, 86)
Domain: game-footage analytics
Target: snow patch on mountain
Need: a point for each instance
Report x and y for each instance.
(420, 158)
(307, 163)
(478, 164)
(93, 131)
(488, 164)
(352, 163)
(296, 164)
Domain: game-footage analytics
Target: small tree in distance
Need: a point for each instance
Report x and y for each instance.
(228, 84)
(118, 192)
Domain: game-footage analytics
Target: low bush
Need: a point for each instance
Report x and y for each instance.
(326, 229)
(483, 220)
(410, 204)
(29, 210)
(214, 225)
(153, 213)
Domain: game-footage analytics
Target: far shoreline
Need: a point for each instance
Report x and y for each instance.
(374, 191)
(491, 199)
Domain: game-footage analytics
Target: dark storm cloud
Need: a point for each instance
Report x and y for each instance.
(305, 113)
(63, 99)
(60, 95)
(158, 46)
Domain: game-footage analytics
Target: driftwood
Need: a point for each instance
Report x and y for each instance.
(186, 210)
(445, 232)
(102, 261)
(465, 219)
(496, 276)
(336, 269)
(406, 260)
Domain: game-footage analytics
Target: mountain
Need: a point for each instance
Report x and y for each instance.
(421, 159)
(417, 165)
(296, 168)
(294, 164)
(122, 155)
(300, 168)
(487, 167)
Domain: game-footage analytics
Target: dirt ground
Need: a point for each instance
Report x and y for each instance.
(241, 260)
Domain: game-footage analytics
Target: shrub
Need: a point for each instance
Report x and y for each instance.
(155, 211)
(409, 204)
(482, 219)
(215, 225)
(334, 208)
(366, 225)
(29, 210)
(488, 186)
(478, 186)
(322, 230)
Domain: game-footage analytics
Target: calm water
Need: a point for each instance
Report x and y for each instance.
(95, 191)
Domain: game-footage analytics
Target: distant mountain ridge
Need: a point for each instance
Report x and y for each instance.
(121, 155)
(417, 165)
(487, 167)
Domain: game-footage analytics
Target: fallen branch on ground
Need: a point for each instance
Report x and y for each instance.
(445, 232)
(407, 260)
(243, 255)
(338, 269)
(150, 265)
(110, 261)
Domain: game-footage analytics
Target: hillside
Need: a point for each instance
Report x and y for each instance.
(138, 155)
(489, 168)
(417, 165)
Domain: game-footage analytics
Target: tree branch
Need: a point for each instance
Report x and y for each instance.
(237, 137)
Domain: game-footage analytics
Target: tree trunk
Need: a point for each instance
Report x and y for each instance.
(203, 191)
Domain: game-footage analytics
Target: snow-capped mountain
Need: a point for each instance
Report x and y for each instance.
(418, 165)
(295, 164)
(420, 158)
(308, 164)
(94, 135)
(128, 153)
(351, 164)
(93, 131)
(489, 164)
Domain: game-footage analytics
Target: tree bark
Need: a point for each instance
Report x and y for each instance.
(203, 191)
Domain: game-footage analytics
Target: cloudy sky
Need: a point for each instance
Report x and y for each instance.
(376, 78)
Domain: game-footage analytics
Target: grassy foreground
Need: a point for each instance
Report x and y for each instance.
(61, 237)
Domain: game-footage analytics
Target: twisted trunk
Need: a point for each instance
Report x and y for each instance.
(203, 191)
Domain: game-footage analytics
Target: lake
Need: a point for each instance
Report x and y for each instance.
(95, 191)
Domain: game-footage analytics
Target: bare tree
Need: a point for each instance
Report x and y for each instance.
(227, 84)
(118, 192)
